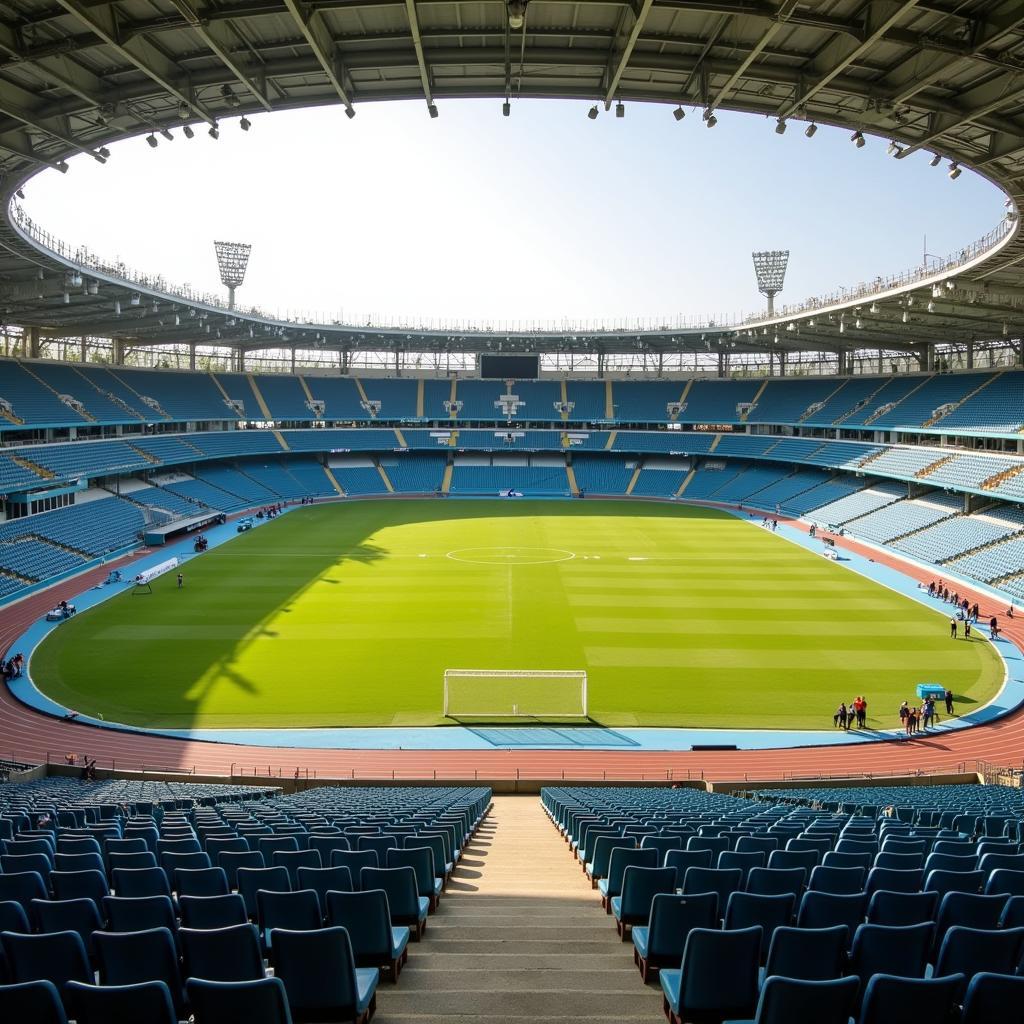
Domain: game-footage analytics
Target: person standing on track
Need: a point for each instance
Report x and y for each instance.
(952, 628)
(949, 700)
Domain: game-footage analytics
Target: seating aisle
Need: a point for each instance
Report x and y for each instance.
(519, 933)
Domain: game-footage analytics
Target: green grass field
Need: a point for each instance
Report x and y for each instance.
(349, 614)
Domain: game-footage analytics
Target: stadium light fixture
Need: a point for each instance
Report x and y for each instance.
(893, 148)
(214, 132)
(506, 109)
(954, 171)
(874, 308)
(810, 130)
(770, 271)
(67, 299)
(75, 279)
(134, 299)
(104, 152)
(935, 160)
(188, 132)
(166, 134)
(117, 307)
(592, 113)
(152, 140)
(232, 261)
(62, 166)
(906, 317)
(516, 13)
(245, 124)
(183, 111)
(679, 113)
(780, 127)
(20, 193)
(432, 110)
(709, 119)
(229, 97)
(350, 113)
(620, 109)
(931, 306)
(857, 138)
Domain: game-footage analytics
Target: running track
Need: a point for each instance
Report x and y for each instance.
(30, 736)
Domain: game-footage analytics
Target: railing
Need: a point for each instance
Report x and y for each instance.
(121, 765)
(82, 257)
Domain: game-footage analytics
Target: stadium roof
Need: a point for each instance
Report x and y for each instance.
(945, 76)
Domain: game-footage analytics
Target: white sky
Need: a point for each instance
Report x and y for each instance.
(539, 216)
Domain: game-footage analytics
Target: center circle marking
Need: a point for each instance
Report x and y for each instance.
(510, 555)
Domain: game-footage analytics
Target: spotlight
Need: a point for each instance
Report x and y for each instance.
(20, 193)
(506, 109)
(135, 299)
(228, 95)
(874, 308)
(183, 111)
(679, 113)
(906, 317)
(857, 323)
(214, 132)
(166, 134)
(67, 299)
(620, 110)
(177, 320)
(75, 279)
(517, 13)
(350, 113)
(187, 132)
(857, 138)
(780, 127)
(935, 160)
(245, 124)
(893, 148)
(592, 113)
(710, 120)
(62, 166)
(954, 171)
(432, 109)
(152, 140)
(810, 130)
(104, 152)
(117, 307)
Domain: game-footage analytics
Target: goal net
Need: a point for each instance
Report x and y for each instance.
(508, 693)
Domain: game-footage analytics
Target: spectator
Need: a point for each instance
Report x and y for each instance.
(904, 714)
(949, 701)
(952, 628)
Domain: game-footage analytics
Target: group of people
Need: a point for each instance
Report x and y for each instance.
(966, 612)
(202, 542)
(307, 501)
(770, 524)
(847, 714)
(13, 667)
(88, 765)
(271, 511)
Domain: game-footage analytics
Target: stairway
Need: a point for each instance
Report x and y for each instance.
(519, 934)
(83, 412)
(874, 416)
(932, 466)
(155, 407)
(110, 396)
(20, 460)
(992, 483)
(144, 454)
(931, 421)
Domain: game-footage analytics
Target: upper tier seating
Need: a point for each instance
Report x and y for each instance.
(340, 395)
(65, 379)
(282, 394)
(397, 397)
(997, 408)
(645, 401)
(588, 399)
(31, 401)
(237, 387)
(715, 401)
(171, 450)
(967, 470)
(86, 459)
(371, 439)
(951, 537)
(478, 398)
(786, 400)
(182, 395)
(856, 391)
(919, 405)
(893, 390)
(540, 398)
(673, 441)
(217, 444)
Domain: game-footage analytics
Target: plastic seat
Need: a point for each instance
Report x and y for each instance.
(863, 861)
(175, 862)
(993, 999)
(639, 887)
(76, 885)
(293, 860)
(714, 844)
(325, 880)
(320, 975)
(13, 919)
(620, 859)
(58, 957)
(888, 998)
(1013, 913)
(759, 843)
(1005, 881)
(139, 913)
(744, 861)
(142, 859)
(406, 905)
(421, 860)
(683, 859)
(366, 917)
(326, 845)
(295, 911)
(942, 882)
(22, 887)
(839, 881)
(718, 978)
(128, 958)
(216, 845)
(148, 1001)
(222, 954)
(379, 843)
(787, 860)
(901, 908)
(784, 1000)
(355, 861)
(251, 880)
(661, 941)
(810, 954)
(878, 948)
(721, 881)
(201, 882)
(232, 861)
(79, 862)
(1001, 862)
(661, 843)
(745, 909)
(893, 879)
(136, 883)
(79, 916)
(777, 882)
(27, 862)
(238, 1002)
(949, 862)
(32, 1002)
(969, 910)
(899, 861)
(970, 951)
(212, 911)
(443, 864)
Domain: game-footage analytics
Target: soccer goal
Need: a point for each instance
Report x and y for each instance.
(508, 693)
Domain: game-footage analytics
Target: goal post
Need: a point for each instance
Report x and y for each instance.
(511, 693)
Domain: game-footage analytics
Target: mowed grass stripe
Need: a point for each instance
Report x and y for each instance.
(330, 616)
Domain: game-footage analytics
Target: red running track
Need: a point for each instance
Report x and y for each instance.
(31, 736)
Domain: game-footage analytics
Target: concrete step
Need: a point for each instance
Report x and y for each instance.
(500, 1004)
(556, 978)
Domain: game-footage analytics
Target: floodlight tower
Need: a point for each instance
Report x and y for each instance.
(232, 260)
(770, 268)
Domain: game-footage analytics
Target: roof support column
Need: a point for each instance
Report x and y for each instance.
(723, 364)
(293, 361)
(32, 342)
(881, 361)
(970, 355)
(82, 349)
(238, 359)
(600, 364)
(118, 352)
(782, 364)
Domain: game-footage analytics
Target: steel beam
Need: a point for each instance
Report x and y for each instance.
(615, 69)
(320, 42)
(417, 42)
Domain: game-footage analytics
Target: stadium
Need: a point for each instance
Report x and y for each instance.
(434, 650)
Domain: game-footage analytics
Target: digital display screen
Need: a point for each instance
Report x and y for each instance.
(510, 367)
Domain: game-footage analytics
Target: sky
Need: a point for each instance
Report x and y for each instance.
(544, 216)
